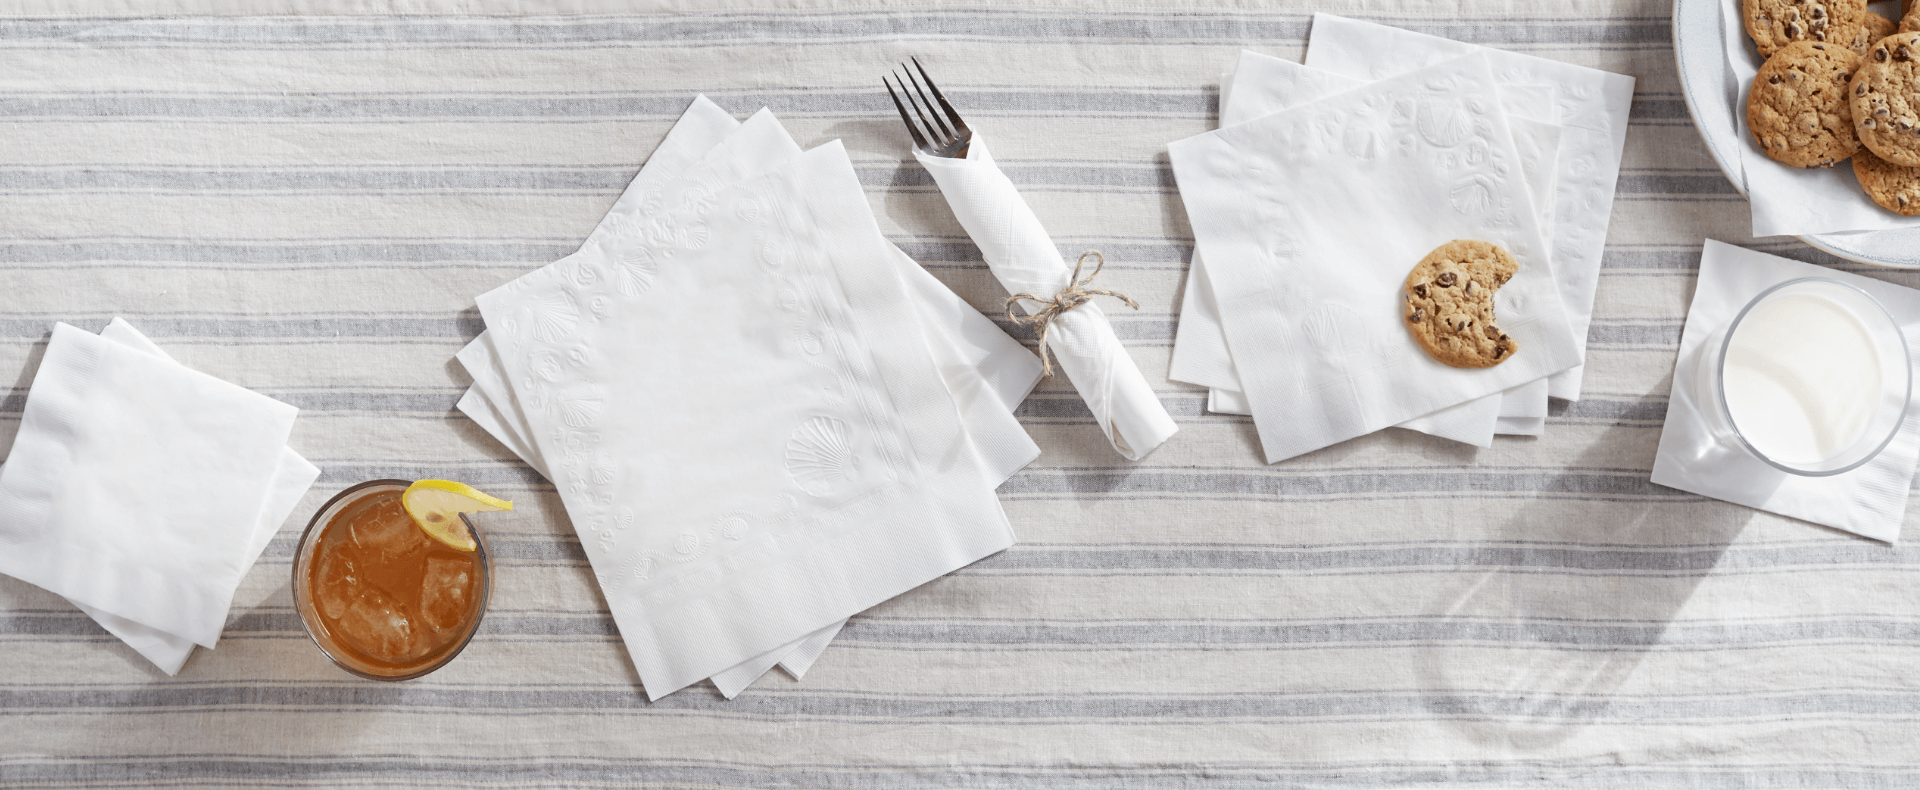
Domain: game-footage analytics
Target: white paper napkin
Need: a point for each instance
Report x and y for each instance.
(1261, 85)
(1023, 258)
(292, 478)
(1593, 109)
(1309, 220)
(135, 485)
(988, 372)
(1788, 200)
(750, 469)
(1869, 501)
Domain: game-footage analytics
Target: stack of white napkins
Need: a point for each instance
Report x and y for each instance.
(762, 417)
(143, 491)
(1325, 185)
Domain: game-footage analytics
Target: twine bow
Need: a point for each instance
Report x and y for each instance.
(1075, 294)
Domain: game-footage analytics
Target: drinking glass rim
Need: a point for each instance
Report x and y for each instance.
(301, 548)
(1720, 371)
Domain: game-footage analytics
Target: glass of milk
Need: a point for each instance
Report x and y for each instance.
(1811, 377)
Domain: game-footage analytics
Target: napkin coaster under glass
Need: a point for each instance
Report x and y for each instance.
(1870, 501)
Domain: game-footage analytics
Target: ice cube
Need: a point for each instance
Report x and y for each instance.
(446, 592)
(334, 586)
(375, 625)
(386, 530)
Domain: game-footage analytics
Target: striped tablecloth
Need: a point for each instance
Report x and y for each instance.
(308, 205)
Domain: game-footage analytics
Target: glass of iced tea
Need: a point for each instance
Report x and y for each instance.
(379, 597)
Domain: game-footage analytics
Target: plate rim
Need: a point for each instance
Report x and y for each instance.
(1724, 161)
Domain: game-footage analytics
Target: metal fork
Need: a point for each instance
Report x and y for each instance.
(944, 137)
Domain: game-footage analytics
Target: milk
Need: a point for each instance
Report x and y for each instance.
(1802, 378)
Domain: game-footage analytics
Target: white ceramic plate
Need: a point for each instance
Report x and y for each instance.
(1698, 52)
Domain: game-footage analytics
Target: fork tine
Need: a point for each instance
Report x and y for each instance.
(938, 134)
(911, 128)
(955, 116)
(950, 133)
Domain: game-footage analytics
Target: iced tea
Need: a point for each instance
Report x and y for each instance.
(380, 597)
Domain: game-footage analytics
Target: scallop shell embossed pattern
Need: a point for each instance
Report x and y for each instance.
(820, 455)
(634, 271)
(555, 317)
(1444, 124)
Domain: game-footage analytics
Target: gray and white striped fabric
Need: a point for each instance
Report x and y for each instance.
(307, 205)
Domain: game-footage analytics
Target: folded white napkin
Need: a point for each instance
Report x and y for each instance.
(1261, 85)
(291, 480)
(738, 403)
(136, 486)
(1593, 111)
(1309, 220)
(988, 372)
(1787, 200)
(1869, 501)
(1023, 258)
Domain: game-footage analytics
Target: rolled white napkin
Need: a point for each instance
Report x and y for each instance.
(1024, 259)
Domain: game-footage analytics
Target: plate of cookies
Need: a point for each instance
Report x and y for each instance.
(1812, 110)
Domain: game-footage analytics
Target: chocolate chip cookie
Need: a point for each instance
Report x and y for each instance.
(1885, 98)
(1773, 24)
(1798, 109)
(1450, 303)
(1872, 28)
(1895, 188)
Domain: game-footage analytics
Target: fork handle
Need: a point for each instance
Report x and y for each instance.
(1022, 256)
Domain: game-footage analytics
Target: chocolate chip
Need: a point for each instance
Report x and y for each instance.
(1445, 280)
(1793, 30)
(1880, 112)
(1904, 124)
(1867, 124)
(1902, 53)
(1773, 79)
(1817, 12)
(1469, 289)
(1860, 90)
(1499, 351)
(1492, 333)
(1418, 315)
(1901, 199)
(1420, 290)
(1880, 55)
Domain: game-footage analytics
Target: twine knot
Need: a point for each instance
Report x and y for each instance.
(1075, 294)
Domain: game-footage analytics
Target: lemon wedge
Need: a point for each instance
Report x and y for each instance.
(436, 506)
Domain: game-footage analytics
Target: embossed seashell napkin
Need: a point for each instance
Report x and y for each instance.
(987, 371)
(1309, 220)
(1261, 85)
(1591, 109)
(737, 404)
(142, 491)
